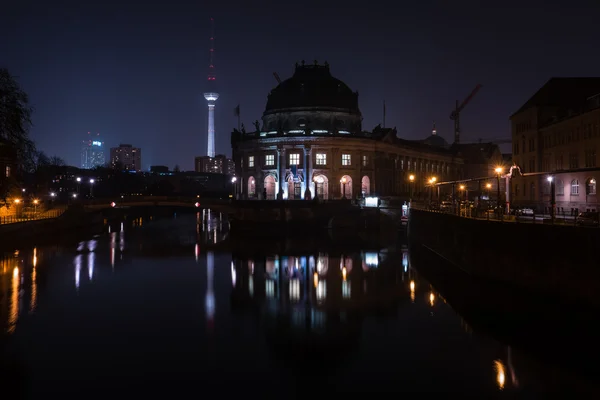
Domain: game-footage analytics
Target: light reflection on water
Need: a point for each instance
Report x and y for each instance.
(372, 301)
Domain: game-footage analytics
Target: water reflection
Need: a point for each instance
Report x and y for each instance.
(33, 301)
(209, 302)
(347, 308)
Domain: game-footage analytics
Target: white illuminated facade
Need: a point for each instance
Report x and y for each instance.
(211, 98)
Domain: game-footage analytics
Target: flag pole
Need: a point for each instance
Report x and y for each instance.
(384, 113)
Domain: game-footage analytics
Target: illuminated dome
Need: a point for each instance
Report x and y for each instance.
(312, 99)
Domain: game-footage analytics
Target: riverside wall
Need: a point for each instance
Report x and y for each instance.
(550, 260)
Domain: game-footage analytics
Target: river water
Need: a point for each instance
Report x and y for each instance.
(164, 306)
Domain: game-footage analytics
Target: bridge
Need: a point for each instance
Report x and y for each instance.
(222, 205)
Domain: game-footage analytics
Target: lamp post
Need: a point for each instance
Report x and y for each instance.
(498, 171)
(462, 189)
(17, 202)
(411, 179)
(92, 187)
(552, 198)
(78, 184)
(35, 203)
(234, 188)
(343, 182)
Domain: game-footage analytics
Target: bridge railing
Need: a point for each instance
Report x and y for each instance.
(34, 216)
(493, 215)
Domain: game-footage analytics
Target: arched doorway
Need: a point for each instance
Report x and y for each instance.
(321, 187)
(365, 186)
(294, 188)
(251, 187)
(270, 187)
(346, 187)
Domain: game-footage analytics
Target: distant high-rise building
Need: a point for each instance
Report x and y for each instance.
(211, 95)
(219, 164)
(127, 157)
(92, 152)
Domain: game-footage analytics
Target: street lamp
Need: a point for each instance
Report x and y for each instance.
(552, 197)
(92, 187)
(35, 203)
(17, 201)
(411, 178)
(233, 181)
(343, 182)
(498, 171)
(78, 179)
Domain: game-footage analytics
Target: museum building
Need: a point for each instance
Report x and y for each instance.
(311, 143)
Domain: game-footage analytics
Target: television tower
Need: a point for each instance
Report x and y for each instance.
(211, 95)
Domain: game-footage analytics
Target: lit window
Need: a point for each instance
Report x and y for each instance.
(270, 159)
(294, 159)
(346, 159)
(250, 161)
(7, 171)
(575, 187)
(365, 161)
(321, 159)
(590, 187)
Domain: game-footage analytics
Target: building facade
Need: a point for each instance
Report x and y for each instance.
(92, 152)
(220, 164)
(311, 143)
(127, 157)
(556, 136)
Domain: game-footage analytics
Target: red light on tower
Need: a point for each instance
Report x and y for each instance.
(113, 204)
(197, 204)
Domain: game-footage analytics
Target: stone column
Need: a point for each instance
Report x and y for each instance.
(281, 171)
(307, 173)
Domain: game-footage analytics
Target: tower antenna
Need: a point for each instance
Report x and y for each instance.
(211, 63)
(211, 95)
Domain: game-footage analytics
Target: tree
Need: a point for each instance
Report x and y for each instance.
(56, 161)
(15, 121)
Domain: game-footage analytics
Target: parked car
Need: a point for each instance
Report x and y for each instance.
(589, 218)
(525, 212)
(446, 206)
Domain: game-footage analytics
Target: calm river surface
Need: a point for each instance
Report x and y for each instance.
(161, 306)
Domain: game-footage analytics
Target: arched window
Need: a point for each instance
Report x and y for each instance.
(574, 187)
(366, 186)
(559, 187)
(590, 187)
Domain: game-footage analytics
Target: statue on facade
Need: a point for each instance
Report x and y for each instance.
(257, 126)
(243, 128)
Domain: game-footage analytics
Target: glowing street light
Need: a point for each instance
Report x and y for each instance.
(92, 187)
(411, 178)
(343, 182)
(498, 171)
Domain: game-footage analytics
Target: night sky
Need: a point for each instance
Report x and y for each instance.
(135, 71)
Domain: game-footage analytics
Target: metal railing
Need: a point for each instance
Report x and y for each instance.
(464, 211)
(31, 216)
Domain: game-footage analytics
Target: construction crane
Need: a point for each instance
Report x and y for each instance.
(455, 115)
(277, 77)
